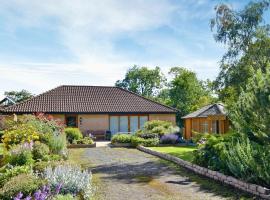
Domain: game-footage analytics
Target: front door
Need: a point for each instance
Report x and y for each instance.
(71, 121)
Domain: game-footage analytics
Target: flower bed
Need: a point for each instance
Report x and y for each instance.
(35, 165)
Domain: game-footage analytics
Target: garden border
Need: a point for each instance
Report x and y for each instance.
(229, 180)
(73, 146)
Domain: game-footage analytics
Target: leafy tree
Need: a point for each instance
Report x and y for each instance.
(250, 115)
(247, 39)
(186, 92)
(143, 81)
(19, 96)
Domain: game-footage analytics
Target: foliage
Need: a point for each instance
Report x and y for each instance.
(142, 80)
(187, 93)
(147, 135)
(135, 141)
(121, 138)
(250, 115)
(73, 180)
(40, 151)
(40, 194)
(169, 139)
(159, 127)
(25, 183)
(85, 140)
(8, 173)
(19, 134)
(73, 134)
(20, 155)
(57, 144)
(247, 39)
(19, 96)
(210, 154)
(40, 166)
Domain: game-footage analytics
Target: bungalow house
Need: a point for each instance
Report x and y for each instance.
(209, 119)
(96, 108)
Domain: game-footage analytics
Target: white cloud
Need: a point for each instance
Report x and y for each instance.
(88, 28)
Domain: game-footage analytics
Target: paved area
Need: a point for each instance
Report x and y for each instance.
(122, 173)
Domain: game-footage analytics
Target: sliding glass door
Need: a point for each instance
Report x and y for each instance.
(127, 123)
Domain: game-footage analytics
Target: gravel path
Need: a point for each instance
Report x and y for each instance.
(130, 174)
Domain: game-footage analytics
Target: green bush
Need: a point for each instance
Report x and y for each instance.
(147, 135)
(41, 166)
(58, 143)
(20, 155)
(121, 138)
(40, 150)
(135, 141)
(160, 127)
(8, 173)
(25, 183)
(73, 134)
(52, 157)
(85, 140)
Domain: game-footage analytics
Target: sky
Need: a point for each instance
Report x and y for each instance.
(44, 44)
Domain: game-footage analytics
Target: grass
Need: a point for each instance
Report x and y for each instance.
(184, 153)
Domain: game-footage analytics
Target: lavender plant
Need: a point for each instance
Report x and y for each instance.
(169, 139)
(73, 179)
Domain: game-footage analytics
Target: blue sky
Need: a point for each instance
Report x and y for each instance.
(91, 42)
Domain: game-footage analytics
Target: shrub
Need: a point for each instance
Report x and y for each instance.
(40, 167)
(73, 134)
(121, 138)
(19, 134)
(160, 127)
(57, 144)
(85, 140)
(169, 139)
(52, 157)
(20, 155)
(135, 141)
(73, 180)
(25, 183)
(147, 135)
(8, 173)
(40, 150)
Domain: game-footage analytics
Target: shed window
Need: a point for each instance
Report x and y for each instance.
(204, 127)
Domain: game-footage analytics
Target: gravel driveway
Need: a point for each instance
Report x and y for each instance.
(121, 173)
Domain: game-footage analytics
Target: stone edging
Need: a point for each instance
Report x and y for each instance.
(229, 180)
(121, 144)
(82, 145)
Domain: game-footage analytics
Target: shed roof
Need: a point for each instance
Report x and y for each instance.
(212, 109)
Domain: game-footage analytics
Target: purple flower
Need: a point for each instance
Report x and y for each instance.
(58, 188)
(19, 196)
(169, 139)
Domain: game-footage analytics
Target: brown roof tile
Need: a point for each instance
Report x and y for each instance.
(89, 99)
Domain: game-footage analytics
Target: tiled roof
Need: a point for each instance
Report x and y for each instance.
(212, 109)
(89, 99)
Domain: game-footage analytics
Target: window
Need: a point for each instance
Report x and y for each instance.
(143, 119)
(71, 121)
(127, 123)
(123, 124)
(134, 123)
(204, 127)
(215, 126)
(114, 122)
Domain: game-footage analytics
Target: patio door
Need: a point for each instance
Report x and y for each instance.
(215, 126)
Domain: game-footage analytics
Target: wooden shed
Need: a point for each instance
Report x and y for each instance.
(209, 119)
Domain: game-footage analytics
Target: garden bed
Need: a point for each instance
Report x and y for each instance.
(82, 145)
(247, 187)
(121, 144)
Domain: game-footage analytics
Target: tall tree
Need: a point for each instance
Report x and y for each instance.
(250, 115)
(143, 81)
(186, 92)
(19, 96)
(247, 39)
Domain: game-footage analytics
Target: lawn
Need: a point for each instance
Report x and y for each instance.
(184, 153)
